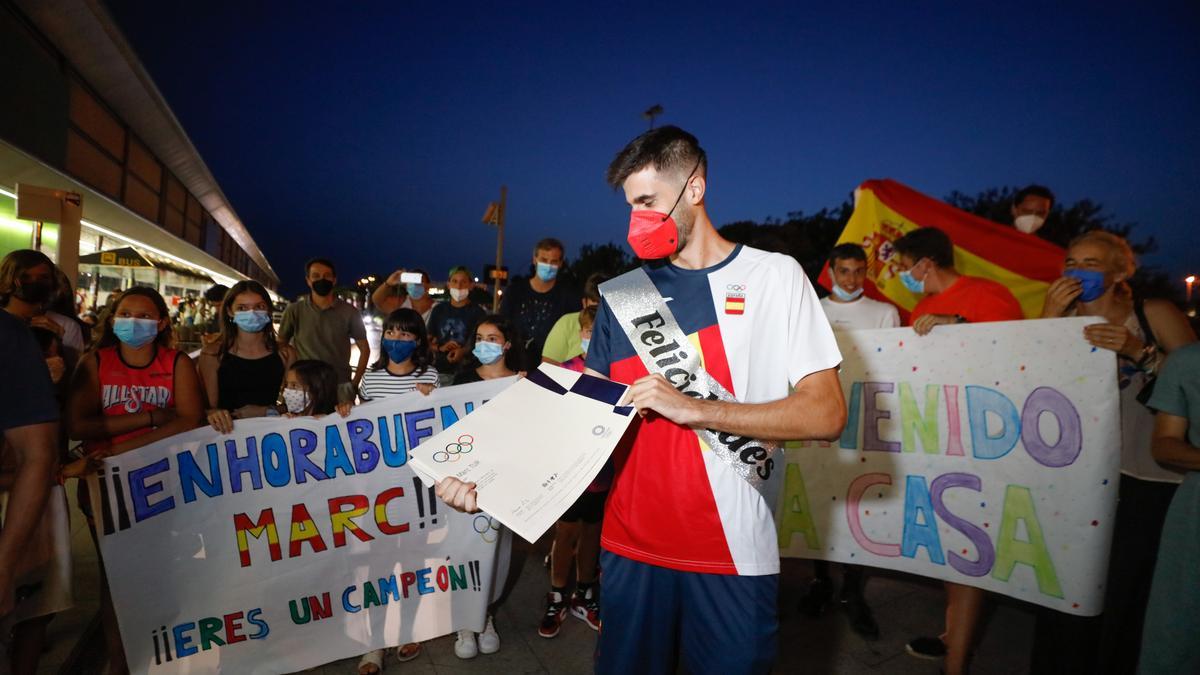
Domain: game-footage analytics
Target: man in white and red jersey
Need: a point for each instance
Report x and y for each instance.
(690, 550)
(690, 557)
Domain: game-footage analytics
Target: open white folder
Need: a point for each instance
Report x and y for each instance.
(533, 449)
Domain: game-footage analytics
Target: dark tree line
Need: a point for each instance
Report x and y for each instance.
(808, 237)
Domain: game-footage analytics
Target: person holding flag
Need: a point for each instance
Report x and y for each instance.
(726, 352)
(927, 267)
(885, 211)
(926, 263)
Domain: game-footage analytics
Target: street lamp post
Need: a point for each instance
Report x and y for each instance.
(1189, 280)
(652, 112)
(495, 216)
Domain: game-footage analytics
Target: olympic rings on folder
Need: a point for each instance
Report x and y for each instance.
(455, 450)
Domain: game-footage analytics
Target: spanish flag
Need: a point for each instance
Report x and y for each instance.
(885, 210)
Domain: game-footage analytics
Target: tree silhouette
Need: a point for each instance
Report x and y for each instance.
(610, 259)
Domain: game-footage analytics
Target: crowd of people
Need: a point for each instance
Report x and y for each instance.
(672, 590)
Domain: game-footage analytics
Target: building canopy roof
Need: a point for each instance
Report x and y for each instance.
(87, 35)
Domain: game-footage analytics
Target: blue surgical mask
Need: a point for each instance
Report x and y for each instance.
(585, 342)
(398, 351)
(416, 291)
(841, 294)
(488, 352)
(252, 321)
(1092, 280)
(546, 271)
(135, 332)
(910, 282)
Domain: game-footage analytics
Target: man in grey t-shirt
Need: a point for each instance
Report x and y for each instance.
(322, 327)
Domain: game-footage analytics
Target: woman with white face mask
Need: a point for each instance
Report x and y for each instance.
(1031, 205)
(243, 369)
(451, 324)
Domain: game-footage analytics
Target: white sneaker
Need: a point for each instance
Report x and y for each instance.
(489, 639)
(465, 646)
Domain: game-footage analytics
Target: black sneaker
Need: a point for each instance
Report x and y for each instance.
(556, 613)
(931, 648)
(861, 619)
(816, 600)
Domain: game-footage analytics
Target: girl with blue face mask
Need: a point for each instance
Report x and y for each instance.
(244, 368)
(405, 359)
(495, 351)
(405, 365)
(130, 390)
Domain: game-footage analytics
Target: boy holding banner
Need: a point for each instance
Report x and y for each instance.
(727, 352)
(950, 298)
(848, 309)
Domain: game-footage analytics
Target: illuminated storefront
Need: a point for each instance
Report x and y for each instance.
(83, 117)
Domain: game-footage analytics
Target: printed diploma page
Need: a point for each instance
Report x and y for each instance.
(534, 448)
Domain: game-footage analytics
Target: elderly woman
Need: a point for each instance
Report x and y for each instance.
(1141, 333)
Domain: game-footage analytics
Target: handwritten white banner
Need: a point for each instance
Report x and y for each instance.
(981, 454)
(291, 542)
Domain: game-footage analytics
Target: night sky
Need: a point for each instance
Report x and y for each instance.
(377, 135)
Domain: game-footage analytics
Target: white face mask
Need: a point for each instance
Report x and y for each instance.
(1028, 223)
(296, 400)
(459, 294)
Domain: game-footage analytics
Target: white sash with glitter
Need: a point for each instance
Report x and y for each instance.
(665, 349)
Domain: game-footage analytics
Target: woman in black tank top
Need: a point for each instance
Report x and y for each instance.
(243, 370)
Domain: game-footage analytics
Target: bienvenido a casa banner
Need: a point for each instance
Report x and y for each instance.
(981, 454)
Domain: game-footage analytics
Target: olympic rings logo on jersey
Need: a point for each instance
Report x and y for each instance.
(735, 287)
(486, 527)
(455, 450)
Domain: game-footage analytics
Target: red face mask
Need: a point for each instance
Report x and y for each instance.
(654, 235)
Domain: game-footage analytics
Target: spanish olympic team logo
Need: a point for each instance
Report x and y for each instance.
(455, 450)
(486, 527)
(735, 299)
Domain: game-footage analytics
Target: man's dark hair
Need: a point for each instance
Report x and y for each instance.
(847, 251)
(549, 243)
(17, 263)
(667, 149)
(1033, 191)
(216, 292)
(927, 242)
(319, 261)
(591, 287)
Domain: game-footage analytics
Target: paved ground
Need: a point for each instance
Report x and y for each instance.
(904, 606)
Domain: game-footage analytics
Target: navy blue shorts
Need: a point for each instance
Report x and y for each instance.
(653, 617)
